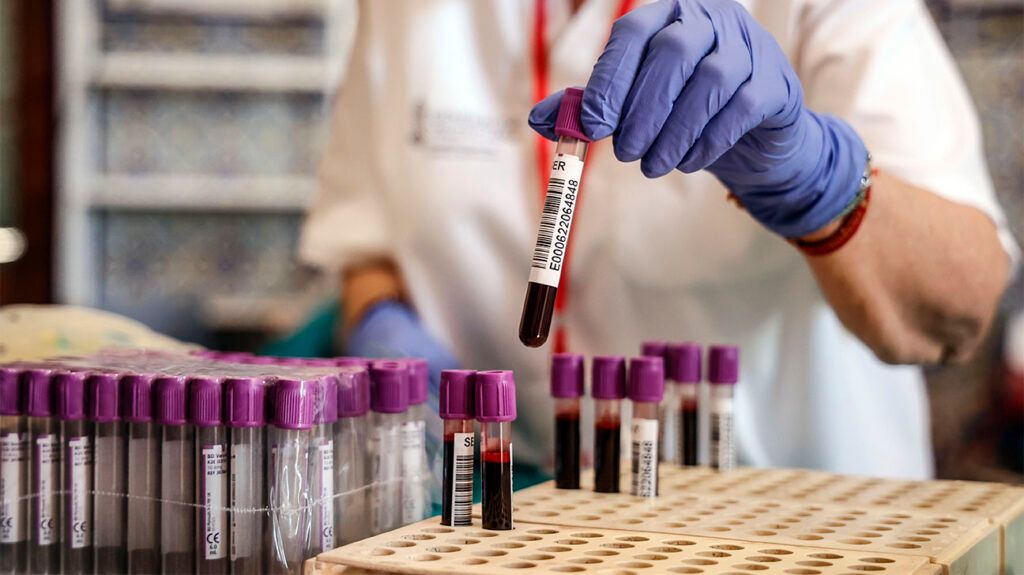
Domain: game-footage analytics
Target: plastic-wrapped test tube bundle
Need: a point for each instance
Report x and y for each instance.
(321, 454)
(608, 388)
(567, 389)
(292, 410)
(351, 460)
(457, 409)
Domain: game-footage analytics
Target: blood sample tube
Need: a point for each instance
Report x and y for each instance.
(143, 528)
(44, 471)
(211, 475)
(77, 498)
(608, 388)
(723, 372)
(177, 475)
(321, 470)
(389, 399)
(667, 424)
(292, 412)
(685, 359)
(567, 388)
(653, 349)
(353, 469)
(245, 408)
(496, 410)
(646, 389)
(103, 404)
(14, 463)
(415, 470)
(457, 408)
(556, 220)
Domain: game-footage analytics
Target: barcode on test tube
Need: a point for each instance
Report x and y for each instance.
(548, 221)
(462, 484)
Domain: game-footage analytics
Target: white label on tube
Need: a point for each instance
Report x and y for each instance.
(384, 445)
(556, 220)
(325, 457)
(215, 478)
(47, 463)
(241, 496)
(80, 461)
(645, 457)
(13, 459)
(412, 471)
(462, 479)
(722, 451)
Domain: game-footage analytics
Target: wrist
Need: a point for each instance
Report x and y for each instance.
(366, 286)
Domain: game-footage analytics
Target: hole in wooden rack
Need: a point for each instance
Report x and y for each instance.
(823, 530)
(763, 533)
(870, 534)
(632, 538)
(437, 530)
(946, 520)
(702, 561)
(726, 547)
(775, 551)
(719, 528)
(443, 549)
(571, 541)
(510, 545)
(587, 535)
(802, 571)
(674, 525)
(867, 568)
(902, 516)
(633, 521)
(489, 533)
(879, 528)
(619, 572)
(490, 553)
(666, 549)
(678, 542)
(381, 551)
(876, 560)
(825, 556)
(635, 565)
(542, 531)
(545, 513)
(471, 561)
(834, 524)
(417, 537)
(526, 538)
(519, 565)
(555, 549)
(400, 544)
(714, 554)
(855, 541)
(926, 532)
(565, 507)
(751, 567)
(462, 541)
(425, 557)
(763, 559)
(914, 539)
(652, 557)
(685, 570)
(601, 552)
(809, 537)
(538, 556)
(814, 563)
(904, 546)
(586, 560)
(567, 569)
(617, 545)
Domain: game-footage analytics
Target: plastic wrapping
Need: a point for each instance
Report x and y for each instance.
(150, 462)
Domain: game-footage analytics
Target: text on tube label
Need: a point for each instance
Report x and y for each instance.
(47, 467)
(241, 497)
(413, 445)
(645, 457)
(79, 508)
(384, 447)
(462, 479)
(325, 460)
(556, 220)
(13, 463)
(722, 449)
(215, 478)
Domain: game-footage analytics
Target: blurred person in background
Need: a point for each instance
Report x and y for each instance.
(431, 185)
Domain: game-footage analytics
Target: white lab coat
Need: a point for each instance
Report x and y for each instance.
(431, 161)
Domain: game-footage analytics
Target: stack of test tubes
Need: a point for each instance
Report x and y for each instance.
(666, 422)
(146, 462)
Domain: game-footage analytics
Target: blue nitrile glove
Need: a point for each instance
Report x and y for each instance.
(698, 84)
(391, 329)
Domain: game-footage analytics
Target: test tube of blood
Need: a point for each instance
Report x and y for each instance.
(144, 474)
(415, 469)
(103, 403)
(76, 441)
(685, 365)
(608, 388)
(567, 388)
(646, 389)
(321, 471)
(245, 408)
(14, 463)
(211, 475)
(177, 475)
(457, 408)
(291, 419)
(389, 400)
(350, 437)
(667, 424)
(556, 221)
(44, 429)
(496, 410)
(723, 372)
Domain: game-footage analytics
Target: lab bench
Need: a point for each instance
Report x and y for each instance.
(745, 521)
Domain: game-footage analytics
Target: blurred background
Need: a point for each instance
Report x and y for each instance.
(156, 157)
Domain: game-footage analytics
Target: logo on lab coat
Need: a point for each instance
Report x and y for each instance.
(462, 131)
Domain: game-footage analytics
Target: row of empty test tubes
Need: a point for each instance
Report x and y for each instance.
(665, 420)
(173, 463)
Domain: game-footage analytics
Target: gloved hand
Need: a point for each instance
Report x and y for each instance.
(698, 84)
(391, 329)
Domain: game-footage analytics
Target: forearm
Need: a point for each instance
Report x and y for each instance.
(920, 281)
(365, 284)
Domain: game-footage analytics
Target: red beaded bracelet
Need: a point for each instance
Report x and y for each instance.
(847, 229)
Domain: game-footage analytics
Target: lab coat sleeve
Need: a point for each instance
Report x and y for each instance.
(348, 221)
(883, 67)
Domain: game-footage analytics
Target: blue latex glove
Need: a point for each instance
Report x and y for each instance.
(698, 84)
(391, 329)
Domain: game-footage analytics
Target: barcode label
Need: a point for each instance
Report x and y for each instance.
(645, 457)
(462, 483)
(556, 220)
(723, 452)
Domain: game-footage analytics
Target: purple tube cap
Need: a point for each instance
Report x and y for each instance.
(723, 364)
(646, 379)
(325, 409)
(10, 391)
(293, 403)
(566, 375)
(653, 349)
(608, 374)
(683, 362)
(389, 391)
(353, 392)
(495, 396)
(244, 402)
(568, 122)
(419, 380)
(352, 362)
(456, 396)
(37, 392)
(137, 398)
(103, 397)
(70, 391)
(206, 401)
(171, 400)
